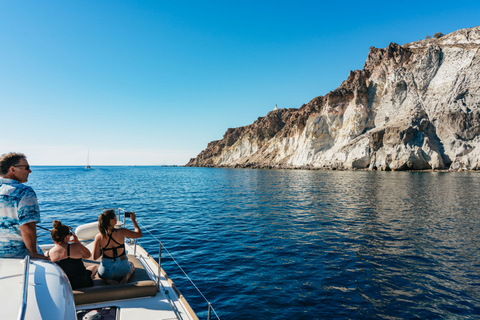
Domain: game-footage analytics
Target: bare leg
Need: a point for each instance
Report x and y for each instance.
(94, 270)
(125, 279)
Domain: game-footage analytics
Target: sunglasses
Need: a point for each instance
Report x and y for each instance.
(27, 167)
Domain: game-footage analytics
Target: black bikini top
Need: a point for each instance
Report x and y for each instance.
(114, 249)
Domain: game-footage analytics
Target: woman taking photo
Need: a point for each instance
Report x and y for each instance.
(69, 256)
(110, 245)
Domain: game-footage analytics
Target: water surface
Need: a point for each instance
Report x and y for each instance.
(281, 244)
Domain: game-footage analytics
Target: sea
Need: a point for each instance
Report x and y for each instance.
(292, 244)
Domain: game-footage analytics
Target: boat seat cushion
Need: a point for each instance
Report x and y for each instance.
(139, 285)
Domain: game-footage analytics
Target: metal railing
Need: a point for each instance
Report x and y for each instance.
(23, 305)
(121, 212)
(210, 306)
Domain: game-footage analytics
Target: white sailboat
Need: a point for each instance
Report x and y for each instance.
(39, 289)
(88, 160)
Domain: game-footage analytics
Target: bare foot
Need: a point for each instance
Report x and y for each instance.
(125, 279)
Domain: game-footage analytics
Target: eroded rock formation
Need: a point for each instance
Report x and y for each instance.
(412, 107)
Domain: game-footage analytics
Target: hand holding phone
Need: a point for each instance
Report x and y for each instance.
(130, 214)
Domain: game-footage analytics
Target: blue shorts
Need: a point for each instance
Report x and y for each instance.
(113, 269)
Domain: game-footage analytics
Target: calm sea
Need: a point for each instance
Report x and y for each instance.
(280, 244)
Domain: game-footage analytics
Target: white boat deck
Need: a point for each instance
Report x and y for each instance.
(149, 294)
(166, 304)
(11, 271)
(50, 295)
(47, 296)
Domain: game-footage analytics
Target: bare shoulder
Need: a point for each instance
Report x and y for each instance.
(120, 231)
(55, 254)
(76, 245)
(119, 234)
(98, 239)
(75, 248)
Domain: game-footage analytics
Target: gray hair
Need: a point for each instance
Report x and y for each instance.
(9, 159)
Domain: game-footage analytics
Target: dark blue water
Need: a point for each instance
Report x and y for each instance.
(278, 244)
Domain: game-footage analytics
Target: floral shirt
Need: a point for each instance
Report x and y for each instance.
(18, 205)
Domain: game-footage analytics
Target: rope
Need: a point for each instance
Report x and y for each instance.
(171, 256)
(44, 228)
(186, 275)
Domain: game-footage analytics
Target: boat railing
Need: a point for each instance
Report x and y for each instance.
(23, 305)
(121, 216)
(209, 304)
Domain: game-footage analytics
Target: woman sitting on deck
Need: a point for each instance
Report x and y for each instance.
(69, 256)
(110, 245)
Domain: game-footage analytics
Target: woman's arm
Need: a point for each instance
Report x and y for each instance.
(96, 247)
(129, 233)
(80, 248)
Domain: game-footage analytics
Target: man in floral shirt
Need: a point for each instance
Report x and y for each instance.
(19, 211)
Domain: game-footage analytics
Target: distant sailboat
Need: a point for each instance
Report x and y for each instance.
(88, 160)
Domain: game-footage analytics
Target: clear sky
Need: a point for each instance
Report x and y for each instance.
(153, 82)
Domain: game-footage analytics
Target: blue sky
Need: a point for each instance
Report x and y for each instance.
(153, 82)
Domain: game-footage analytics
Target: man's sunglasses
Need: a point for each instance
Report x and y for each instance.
(27, 167)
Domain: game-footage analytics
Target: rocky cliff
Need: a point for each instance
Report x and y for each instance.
(412, 107)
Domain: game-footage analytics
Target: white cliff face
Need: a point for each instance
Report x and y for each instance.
(241, 149)
(412, 107)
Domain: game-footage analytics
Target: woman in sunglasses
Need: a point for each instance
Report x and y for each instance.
(69, 256)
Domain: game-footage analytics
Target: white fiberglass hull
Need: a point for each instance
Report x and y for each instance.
(49, 293)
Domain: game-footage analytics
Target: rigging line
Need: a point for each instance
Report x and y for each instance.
(171, 256)
(180, 267)
(44, 228)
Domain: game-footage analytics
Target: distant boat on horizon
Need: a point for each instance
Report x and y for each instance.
(88, 160)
